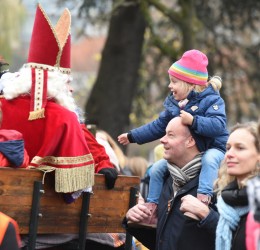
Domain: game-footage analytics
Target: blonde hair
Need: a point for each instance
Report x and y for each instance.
(137, 165)
(119, 153)
(199, 88)
(158, 152)
(214, 81)
(188, 87)
(223, 177)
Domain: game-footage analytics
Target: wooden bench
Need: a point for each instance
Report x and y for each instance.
(38, 209)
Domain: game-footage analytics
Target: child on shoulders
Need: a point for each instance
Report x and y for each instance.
(197, 101)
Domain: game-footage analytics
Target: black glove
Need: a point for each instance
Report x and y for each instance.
(110, 176)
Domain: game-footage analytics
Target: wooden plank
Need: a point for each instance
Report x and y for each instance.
(107, 207)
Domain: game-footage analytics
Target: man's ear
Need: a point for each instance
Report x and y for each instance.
(190, 142)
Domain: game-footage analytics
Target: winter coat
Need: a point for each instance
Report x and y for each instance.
(207, 109)
(174, 230)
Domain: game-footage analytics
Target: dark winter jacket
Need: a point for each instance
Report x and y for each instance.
(174, 230)
(208, 110)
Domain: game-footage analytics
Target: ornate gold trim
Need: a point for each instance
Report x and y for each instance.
(61, 31)
(62, 160)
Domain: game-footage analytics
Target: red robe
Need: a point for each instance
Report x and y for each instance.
(101, 158)
(55, 142)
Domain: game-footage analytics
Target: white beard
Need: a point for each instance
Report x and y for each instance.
(18, 83)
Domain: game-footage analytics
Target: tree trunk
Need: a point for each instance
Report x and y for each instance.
(110, 102)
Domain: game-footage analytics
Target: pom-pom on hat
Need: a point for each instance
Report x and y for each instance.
(49, 51)
(191, 68)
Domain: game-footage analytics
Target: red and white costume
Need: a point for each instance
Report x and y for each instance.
(53, 136)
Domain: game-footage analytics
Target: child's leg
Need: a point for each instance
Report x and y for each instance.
(210, 165)
(157, 173)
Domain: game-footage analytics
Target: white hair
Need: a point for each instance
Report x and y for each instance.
(19, 83)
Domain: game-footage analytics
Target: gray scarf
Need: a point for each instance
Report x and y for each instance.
(183, 175)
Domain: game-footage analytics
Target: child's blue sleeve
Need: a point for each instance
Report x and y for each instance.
(153, 130)
(156, 129)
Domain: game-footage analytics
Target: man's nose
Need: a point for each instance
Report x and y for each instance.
(163, 139)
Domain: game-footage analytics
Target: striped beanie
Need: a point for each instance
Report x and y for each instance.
(191, 68)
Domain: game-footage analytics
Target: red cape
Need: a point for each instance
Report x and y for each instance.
(55, 142)
(97, 150)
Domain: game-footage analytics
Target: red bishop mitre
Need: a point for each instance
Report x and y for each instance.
(49, 50)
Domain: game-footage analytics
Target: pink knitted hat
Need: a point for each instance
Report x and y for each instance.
(191, 68)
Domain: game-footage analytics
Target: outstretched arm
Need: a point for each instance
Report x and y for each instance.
(123, 139)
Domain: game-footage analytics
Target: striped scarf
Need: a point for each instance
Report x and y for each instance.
(183, 175)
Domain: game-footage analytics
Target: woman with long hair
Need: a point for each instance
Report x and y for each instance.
(241, 163)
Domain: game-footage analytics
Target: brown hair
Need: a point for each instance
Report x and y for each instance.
(137, 165)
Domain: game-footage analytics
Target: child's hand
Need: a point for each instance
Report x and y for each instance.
(186, 117)
(122, 139)
(204, 198)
